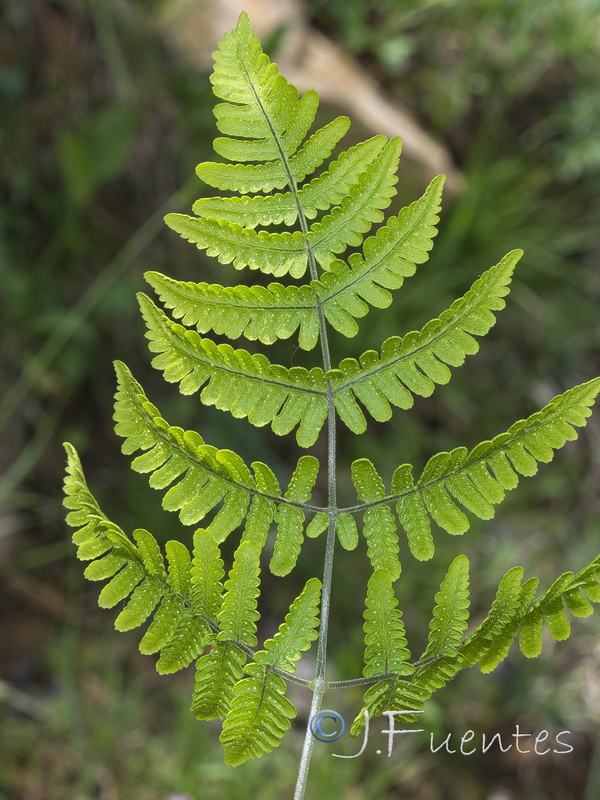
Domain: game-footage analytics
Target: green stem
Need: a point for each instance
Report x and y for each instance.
(319, 691)
(320, 682)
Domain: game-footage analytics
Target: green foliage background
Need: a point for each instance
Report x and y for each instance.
(102, 122)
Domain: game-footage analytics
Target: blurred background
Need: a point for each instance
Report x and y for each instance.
(105, 110)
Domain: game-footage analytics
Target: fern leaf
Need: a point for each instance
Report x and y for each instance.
(203, 475)
(511, 600)
(320, 193)
(238, 614)
(489, 643)
(264, 107)
(263, 313)
(144, 599)
(259, 716)
(379, 527)
(245, 178)
(499, 648)
(269, 313)
(176, 630)
(267, 136)
(390, 694)
(290, 519)
(296, 633)
(180, 568)
(217, 673)
(184, 645)
(246, 385)
(259, 713)
(318, 524)
(161, 628)
(451, 613)
(263, 509)
(347, 532)
(150, 553)
(121, 586)
(389, 256)
(412, 514)
(341, 177)
(96, 535)
(386, 649)
(415, 363)
(272, 253)
(479, 479)
(348, 222)
(104, 567)
(550, 608)
(206, 576)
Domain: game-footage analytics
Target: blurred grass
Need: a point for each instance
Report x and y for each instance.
(102, 125)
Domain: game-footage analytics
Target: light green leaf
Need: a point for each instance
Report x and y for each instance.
(386, 649)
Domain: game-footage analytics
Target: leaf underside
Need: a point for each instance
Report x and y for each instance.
(299, 207)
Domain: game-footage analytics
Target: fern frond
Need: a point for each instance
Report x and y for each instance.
(206, 575)
(137, 572)
(217, 673)
(260, 103)
(479, 479)
(489, 643)
(233, 380)
(568, 592)
(96, 535)
(272, 253)
(388, 257)
(396, 694)
(347, 223)
(379, 526)
(192, 611)
(386, 649)
(415, 363)
(263, 508)
(200, 476)
(296, 633)
(504, 636)
(160, 630)
(346, 530)
(245, 178)
(142, 603)
(290, 519)
(187, 630)
(268, 313)
(451, 613)
(319, 194)
(263, 313)
(238, 614)
(185, 643)
(259, 716)
(287, 253)
(222, 667)
(264, 107)
(260, 713)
